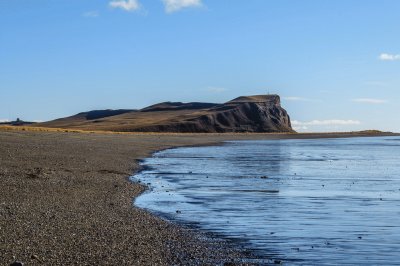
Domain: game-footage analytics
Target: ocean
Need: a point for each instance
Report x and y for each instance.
(303, 202)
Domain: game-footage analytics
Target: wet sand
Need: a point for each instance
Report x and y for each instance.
(65, 199)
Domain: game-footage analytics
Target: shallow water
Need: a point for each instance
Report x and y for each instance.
(321, 202)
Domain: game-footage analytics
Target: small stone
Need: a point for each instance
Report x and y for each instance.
(35, 257)
(17, 263)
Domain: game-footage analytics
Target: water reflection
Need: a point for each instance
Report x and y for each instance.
(269, 157)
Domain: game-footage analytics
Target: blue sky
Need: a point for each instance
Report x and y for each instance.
(335, 63)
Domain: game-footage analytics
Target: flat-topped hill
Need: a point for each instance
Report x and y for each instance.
(256, 99)
(260, 113)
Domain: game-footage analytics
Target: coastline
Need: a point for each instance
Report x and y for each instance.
(216, 189)
(65, 200)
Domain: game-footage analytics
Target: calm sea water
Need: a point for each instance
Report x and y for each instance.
(305, 202)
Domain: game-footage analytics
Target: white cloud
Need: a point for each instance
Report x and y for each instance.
(4, 120)
(91, 14)
(296, 99)
(389, 57)
(216, 89)
(369, 100)
(330, 125)
(300, 99)
(300, 128)
(127, 5)
(175, 5)
(332, 122)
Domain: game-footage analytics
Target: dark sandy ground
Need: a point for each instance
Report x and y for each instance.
(65, 200)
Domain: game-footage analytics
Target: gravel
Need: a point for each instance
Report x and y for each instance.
(65, 199)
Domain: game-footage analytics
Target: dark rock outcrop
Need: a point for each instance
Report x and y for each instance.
(261, 113)
(97, 114)
(17, 122)
(173, 106)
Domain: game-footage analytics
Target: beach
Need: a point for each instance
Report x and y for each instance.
(65, 199)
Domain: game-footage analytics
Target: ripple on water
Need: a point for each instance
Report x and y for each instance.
(318, 202)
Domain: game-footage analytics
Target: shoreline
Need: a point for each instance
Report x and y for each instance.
(252, 256)
(194, 180)
(65, 199)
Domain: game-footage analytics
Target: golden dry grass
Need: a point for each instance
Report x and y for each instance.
(83, 131)
(49, 129)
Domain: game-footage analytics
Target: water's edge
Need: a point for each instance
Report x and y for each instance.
(249, 256)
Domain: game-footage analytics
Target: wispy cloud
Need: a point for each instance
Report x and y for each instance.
(170, 5)
(297, 99)
(300, 128)
(175, 5)
(127, 5)
(389, 57)
(324, 125)
(331, 122)
(300, 99)
(216, 89)
(369, 100)
(91, 14)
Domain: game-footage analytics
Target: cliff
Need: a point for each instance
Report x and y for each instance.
(260, 113)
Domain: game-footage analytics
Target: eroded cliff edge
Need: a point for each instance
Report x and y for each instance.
(259, 113)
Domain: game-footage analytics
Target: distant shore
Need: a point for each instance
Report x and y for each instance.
(65, 198)
(297, 135)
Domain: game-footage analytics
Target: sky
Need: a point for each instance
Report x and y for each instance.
(335, 63)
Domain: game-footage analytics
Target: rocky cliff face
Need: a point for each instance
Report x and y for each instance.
(260, 113)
